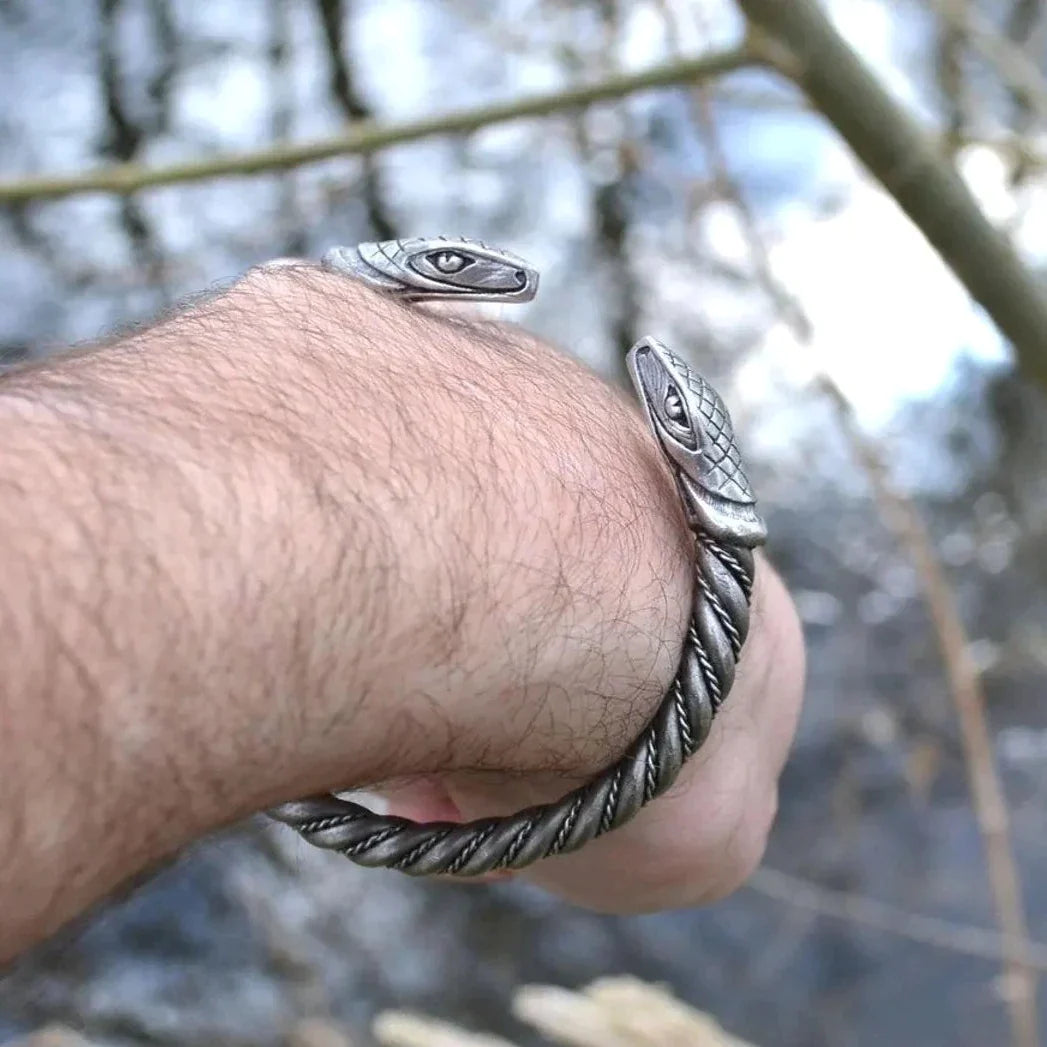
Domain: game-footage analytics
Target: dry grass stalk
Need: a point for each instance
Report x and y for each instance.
(401, 1029)
(968, 696)
(612, 1012)
(618, 1012)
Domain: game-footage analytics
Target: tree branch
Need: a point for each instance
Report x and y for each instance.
(371, 138)
(869, 912)
(799, 40)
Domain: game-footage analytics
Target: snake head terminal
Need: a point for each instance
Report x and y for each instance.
(694, 431)
(439, 268)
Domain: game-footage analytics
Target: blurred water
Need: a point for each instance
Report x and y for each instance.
(251, 931)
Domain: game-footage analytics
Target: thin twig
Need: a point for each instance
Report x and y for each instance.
(368, 139)
(870, 912)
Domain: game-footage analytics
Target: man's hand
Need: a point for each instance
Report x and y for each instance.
(700, 841)
(302, 538)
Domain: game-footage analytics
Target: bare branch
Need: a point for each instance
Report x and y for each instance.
(799, 40)
(869, 912)
(617, 1012)
(372, 138)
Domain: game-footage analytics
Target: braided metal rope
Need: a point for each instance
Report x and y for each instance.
(721, 512)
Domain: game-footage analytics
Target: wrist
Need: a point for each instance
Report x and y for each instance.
(525, 577)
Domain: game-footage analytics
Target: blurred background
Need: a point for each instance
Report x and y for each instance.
(897, 440)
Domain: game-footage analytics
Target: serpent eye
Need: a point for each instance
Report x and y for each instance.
(674, 408)
(448, 262)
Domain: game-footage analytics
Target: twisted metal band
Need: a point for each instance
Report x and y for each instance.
(694, 431)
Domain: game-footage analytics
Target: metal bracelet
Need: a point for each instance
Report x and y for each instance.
(693, 430)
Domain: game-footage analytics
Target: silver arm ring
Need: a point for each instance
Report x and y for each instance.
(694, 432)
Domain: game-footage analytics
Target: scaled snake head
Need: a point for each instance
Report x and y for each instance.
(694, 431)
(438, 269)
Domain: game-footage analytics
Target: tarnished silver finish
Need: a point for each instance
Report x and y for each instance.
(693, 430)
(437, 269)
(696, 436)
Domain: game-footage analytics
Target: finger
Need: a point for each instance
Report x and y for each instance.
(426, 799)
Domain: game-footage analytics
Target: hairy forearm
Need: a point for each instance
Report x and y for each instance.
(299, 538)
(150, 665)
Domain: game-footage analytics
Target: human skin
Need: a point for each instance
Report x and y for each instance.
(299, 537)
